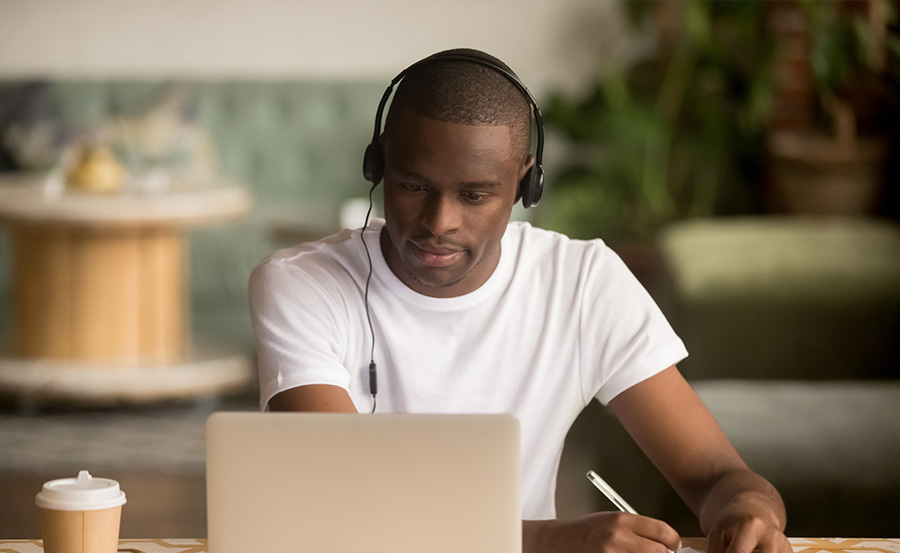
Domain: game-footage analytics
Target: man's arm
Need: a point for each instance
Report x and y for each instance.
(314, 397)
(737, 509)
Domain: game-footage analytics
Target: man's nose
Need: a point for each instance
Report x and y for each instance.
(441, 215)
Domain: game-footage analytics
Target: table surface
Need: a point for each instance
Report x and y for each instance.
(26, 199)
(800, 545)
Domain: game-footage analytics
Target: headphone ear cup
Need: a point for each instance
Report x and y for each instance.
(373, 163)
(532, 186)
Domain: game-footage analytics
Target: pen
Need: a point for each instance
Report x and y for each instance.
(611, 494)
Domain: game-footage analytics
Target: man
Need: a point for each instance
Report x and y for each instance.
(467, 312)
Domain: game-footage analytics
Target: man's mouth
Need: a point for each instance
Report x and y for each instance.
(436, 256)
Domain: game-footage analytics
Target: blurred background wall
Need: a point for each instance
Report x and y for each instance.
(552, 44)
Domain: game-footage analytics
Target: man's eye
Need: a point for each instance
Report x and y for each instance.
(474, 196)
(414, 187)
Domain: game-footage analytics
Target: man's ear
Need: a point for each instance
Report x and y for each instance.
(527, 164)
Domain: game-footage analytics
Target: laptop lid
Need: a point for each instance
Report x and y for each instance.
(362, 483)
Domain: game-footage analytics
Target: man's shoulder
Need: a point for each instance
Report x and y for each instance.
(334, 254)
(542, 242)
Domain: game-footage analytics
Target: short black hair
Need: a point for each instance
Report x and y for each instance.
(465, 92)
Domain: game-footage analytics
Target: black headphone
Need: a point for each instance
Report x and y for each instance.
(532, 184)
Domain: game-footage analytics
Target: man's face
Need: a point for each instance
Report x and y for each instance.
(448, 194)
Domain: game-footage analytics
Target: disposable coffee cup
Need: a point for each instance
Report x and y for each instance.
(80, 515)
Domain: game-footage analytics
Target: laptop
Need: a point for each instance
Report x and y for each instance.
(391, 483)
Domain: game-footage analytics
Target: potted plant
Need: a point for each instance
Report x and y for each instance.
(836, 165)
(674, 134)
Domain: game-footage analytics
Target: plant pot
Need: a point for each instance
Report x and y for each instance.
(813, 174)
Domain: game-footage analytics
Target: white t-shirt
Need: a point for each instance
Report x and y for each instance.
(558, 323)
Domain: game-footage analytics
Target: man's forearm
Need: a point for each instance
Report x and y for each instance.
(532, 536)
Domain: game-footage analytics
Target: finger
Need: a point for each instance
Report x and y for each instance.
(774, 542)
(716, 542)
(754, 535)
(658, 531)
(743, 542)
(631, 533)
(785, 545)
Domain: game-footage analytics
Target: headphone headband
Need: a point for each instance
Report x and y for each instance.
(531, 186)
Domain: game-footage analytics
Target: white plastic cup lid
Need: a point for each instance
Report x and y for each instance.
(84, 493)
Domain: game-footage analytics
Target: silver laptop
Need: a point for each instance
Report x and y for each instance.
(323, 483)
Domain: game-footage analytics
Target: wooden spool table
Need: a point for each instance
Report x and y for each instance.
(99, 294)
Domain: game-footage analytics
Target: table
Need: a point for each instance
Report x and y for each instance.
(800, 545)
(99, 291)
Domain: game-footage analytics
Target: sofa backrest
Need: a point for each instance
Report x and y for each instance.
(296, 145)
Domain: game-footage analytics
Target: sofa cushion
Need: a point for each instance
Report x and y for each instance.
(783, 297)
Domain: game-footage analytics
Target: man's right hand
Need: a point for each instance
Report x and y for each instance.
(606, 532)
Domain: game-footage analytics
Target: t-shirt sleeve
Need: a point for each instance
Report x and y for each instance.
(625, 336)
(297, 323)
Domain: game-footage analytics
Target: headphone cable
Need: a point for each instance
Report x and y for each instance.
(373, 377)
